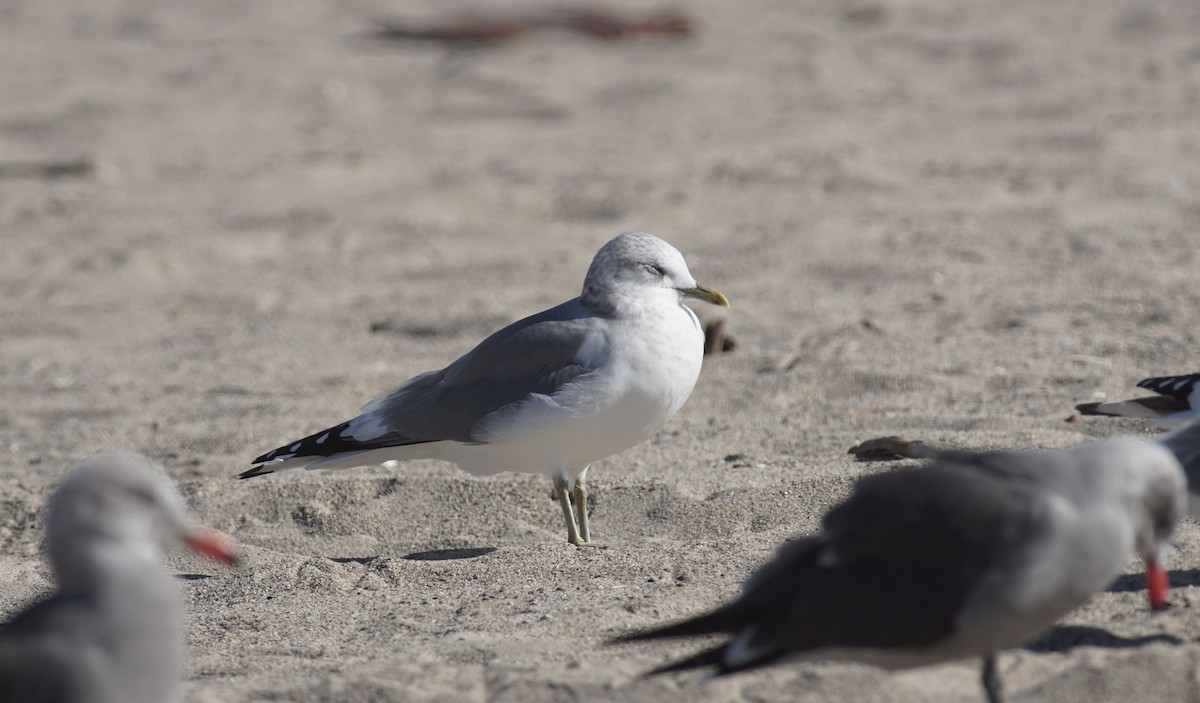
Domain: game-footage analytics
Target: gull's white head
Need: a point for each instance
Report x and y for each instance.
(118, 506)
(1146, 480)
(639, 266)
(1158, 505)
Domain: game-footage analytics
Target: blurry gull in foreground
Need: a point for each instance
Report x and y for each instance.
(965, 556)
(1178, 398)
(551, 393)
(113, 632)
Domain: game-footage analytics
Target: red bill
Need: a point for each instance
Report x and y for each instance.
(1157, 585)
(214, 544)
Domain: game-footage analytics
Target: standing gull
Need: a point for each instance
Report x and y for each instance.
(551, 393)
(113, 633)
(965, 556)
(1178, 398)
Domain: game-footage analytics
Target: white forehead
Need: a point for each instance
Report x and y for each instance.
(1133, 465)
(116, 475)
(634, 248)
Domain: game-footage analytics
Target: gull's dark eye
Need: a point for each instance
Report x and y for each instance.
(655, 269)
(143, 495)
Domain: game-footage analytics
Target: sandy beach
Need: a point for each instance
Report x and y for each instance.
(226, 225)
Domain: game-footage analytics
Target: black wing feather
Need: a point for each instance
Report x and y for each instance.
(1177, 387)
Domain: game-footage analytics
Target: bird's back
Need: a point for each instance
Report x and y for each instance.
(49, 654)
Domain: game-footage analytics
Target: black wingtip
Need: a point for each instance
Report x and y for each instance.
(706, 658)
(723, 620)
(256, 471)
(264, 458)
(1177, 387)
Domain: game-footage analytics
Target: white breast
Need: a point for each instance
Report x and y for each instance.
(638, 387)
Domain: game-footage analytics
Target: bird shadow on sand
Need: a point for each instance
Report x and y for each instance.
(1189, 577)
(1132, 583)
(430, 555)
(1064, 638)
(448, 554)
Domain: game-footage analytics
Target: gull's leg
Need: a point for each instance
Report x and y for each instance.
(581, 510)
(561, 489)
(991, 679)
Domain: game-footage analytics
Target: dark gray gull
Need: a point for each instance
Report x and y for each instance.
(962, 557)
(549, 394)
(113, 632)
(1178, 398)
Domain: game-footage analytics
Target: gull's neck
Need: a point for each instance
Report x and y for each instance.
(623, 303)
(135, 613)
(88, 567)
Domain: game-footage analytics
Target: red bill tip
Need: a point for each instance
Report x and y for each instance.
(213, 543)
(1157, 585)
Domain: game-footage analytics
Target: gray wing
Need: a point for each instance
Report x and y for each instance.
(907, 550)
(893, 567)
(1174, 397)
(536, 355)
(47, 655)
(1177, 387)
